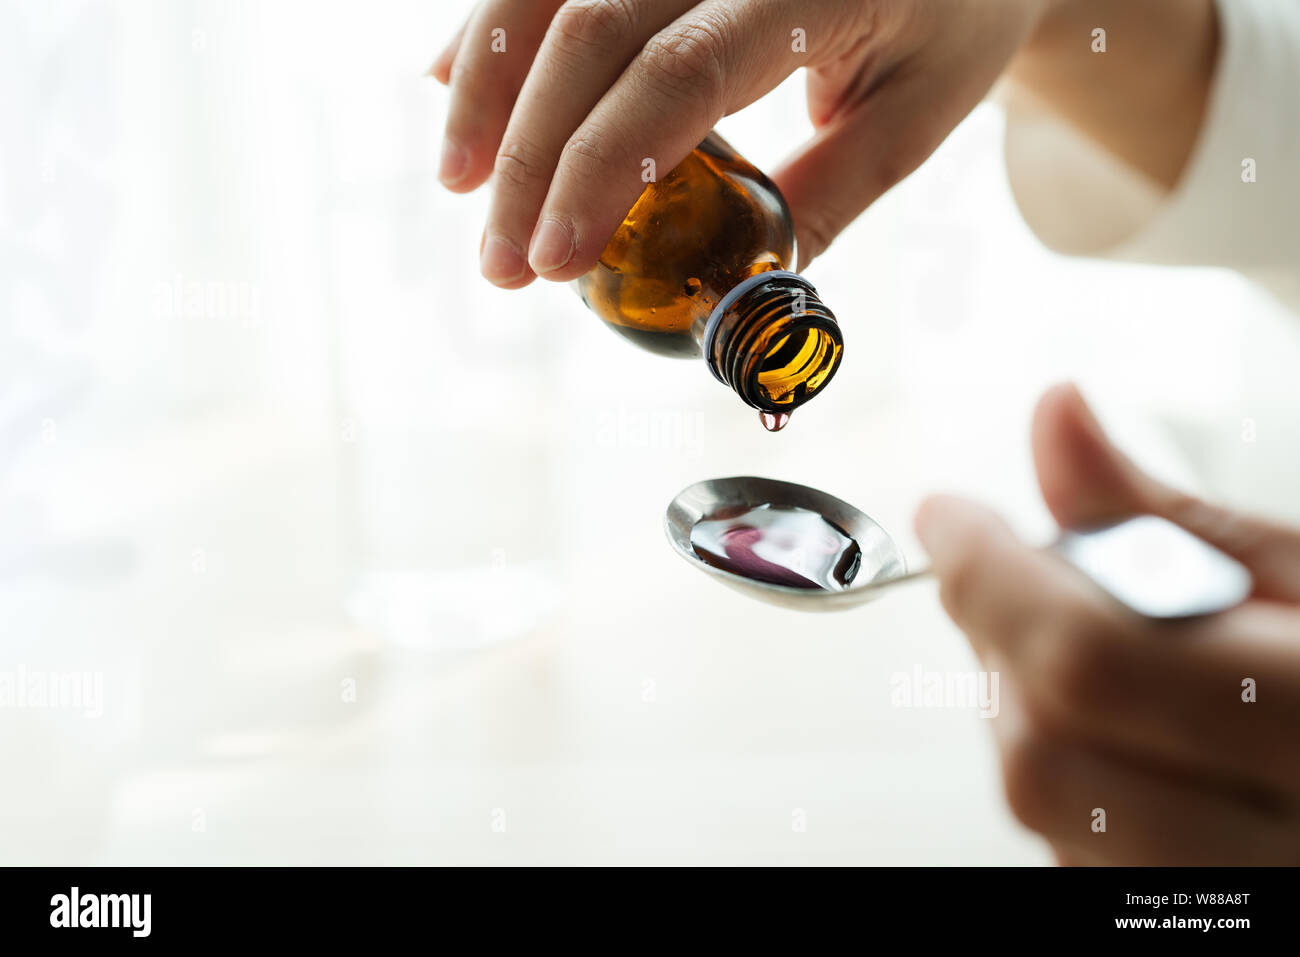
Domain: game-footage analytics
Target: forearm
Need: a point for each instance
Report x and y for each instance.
(1144, 98)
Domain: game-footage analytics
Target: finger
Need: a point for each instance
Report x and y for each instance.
(441, 69)
(839, 172)
(858, 155)
(1183, 697)
(588, 44)
(903, 112)
(845, 80)
(1065, 857)
(1168, 692)
(1096, 808)
(995, 588)
(495, 52)
(1230, 695)
(710, 61)
(1086, 480)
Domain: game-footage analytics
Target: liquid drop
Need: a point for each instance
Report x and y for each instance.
(774, 421)
(779, 544)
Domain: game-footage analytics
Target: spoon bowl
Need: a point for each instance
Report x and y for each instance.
(882, 561)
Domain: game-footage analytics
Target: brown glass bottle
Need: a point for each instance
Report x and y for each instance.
(701, 267)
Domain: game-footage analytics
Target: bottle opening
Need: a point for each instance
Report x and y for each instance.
(800, 361)
(773, 341)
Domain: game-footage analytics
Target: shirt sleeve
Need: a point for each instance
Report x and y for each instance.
(1080, 200)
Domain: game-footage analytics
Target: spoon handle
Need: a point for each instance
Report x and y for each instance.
(1149, 565)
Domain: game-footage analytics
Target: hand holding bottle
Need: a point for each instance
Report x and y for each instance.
(563, 104)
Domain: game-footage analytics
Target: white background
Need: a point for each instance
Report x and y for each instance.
(355, 456)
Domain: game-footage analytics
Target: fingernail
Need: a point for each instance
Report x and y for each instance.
(500, 261)
(451, 169)
(552, 247)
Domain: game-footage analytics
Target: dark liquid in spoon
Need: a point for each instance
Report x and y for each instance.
(778, 544)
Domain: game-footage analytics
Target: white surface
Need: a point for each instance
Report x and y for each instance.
(191, 496)
(657, 717)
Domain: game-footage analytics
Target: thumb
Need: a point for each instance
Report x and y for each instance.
(855, 156)
(1086, 481)
(879, 115)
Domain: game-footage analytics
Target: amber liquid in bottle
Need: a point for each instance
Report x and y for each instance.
(701, 267)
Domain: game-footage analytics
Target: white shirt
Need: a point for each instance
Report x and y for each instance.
(1081, 200)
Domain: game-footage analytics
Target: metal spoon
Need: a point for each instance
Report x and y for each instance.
(1146, 563)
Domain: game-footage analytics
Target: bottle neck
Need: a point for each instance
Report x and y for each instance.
(772, 341)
